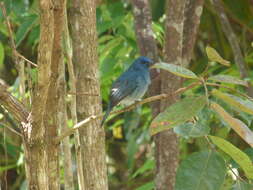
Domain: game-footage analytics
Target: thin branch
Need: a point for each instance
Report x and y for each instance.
(232, 39)
(147, 100)
(13, 45)
(82, 93)
(12, 130)
(27, 60)
(231, 89)
(13, 105)
(8, 118)
(68, 52)
(16, 54)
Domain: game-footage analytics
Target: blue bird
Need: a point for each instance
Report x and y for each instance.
(130, 86)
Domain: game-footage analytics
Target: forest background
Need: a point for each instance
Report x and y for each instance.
(193, 130)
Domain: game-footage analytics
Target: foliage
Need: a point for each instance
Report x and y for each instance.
(203, 118)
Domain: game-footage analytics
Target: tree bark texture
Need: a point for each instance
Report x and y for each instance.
(182, 22)
(147, 44)
(85, 60)
(233, 41)
(41, 153)
(166, 142)
(183, 17)
(62, 113)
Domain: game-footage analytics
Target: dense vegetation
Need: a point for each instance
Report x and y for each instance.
(213, 118)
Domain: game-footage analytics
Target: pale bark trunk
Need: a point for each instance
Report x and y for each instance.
(92, 137)
(147, 45)
(181, 28)
(234, 43)
(42, 165)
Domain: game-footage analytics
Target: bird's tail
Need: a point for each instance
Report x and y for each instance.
(109, 109)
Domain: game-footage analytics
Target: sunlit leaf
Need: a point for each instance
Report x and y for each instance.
(239, 156)
(228, 79)
(148, 165)
(117, 132)
(236, 102)
(177, 114)
(105, 38)
(201, 170)
(213, 55)
(147, 186)
(175, 69)
(238, 126)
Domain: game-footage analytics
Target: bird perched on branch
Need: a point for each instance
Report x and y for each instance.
(130, 86)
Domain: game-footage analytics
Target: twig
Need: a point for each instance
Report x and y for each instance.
(147, 100)
(82, 93)
(11, 129)
(231, 89)
(16, 55)
(13, 45)
(8, 118)
(68, 52)
(13, 105)
(206, 90)
(27, 60)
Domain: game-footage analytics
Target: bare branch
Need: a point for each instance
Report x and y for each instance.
(13, 45)
(12, 130)
(15, 53)
(13, 105)
(68, 51)
(232, 39)
(25, 59)
(147, 100)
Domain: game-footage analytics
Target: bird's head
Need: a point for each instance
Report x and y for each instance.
(145, 61)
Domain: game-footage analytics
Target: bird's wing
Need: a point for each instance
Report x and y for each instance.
(123, 87)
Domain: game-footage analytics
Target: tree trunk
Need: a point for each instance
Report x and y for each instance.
(147, 45)
(183, 17)
(92, 137)
(181, 28)
(41, 153)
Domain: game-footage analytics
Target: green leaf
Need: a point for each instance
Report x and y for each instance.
(175, 69)
(195, 129)
(1, 53)
(240, 185)
(177, 114)
(4, 168)
(147, 186)
(237, 125)
(236, 102)
(213, 55)
(228, 79)
(148, 165)
(240, 157)
(25, 27)
(201, 171)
